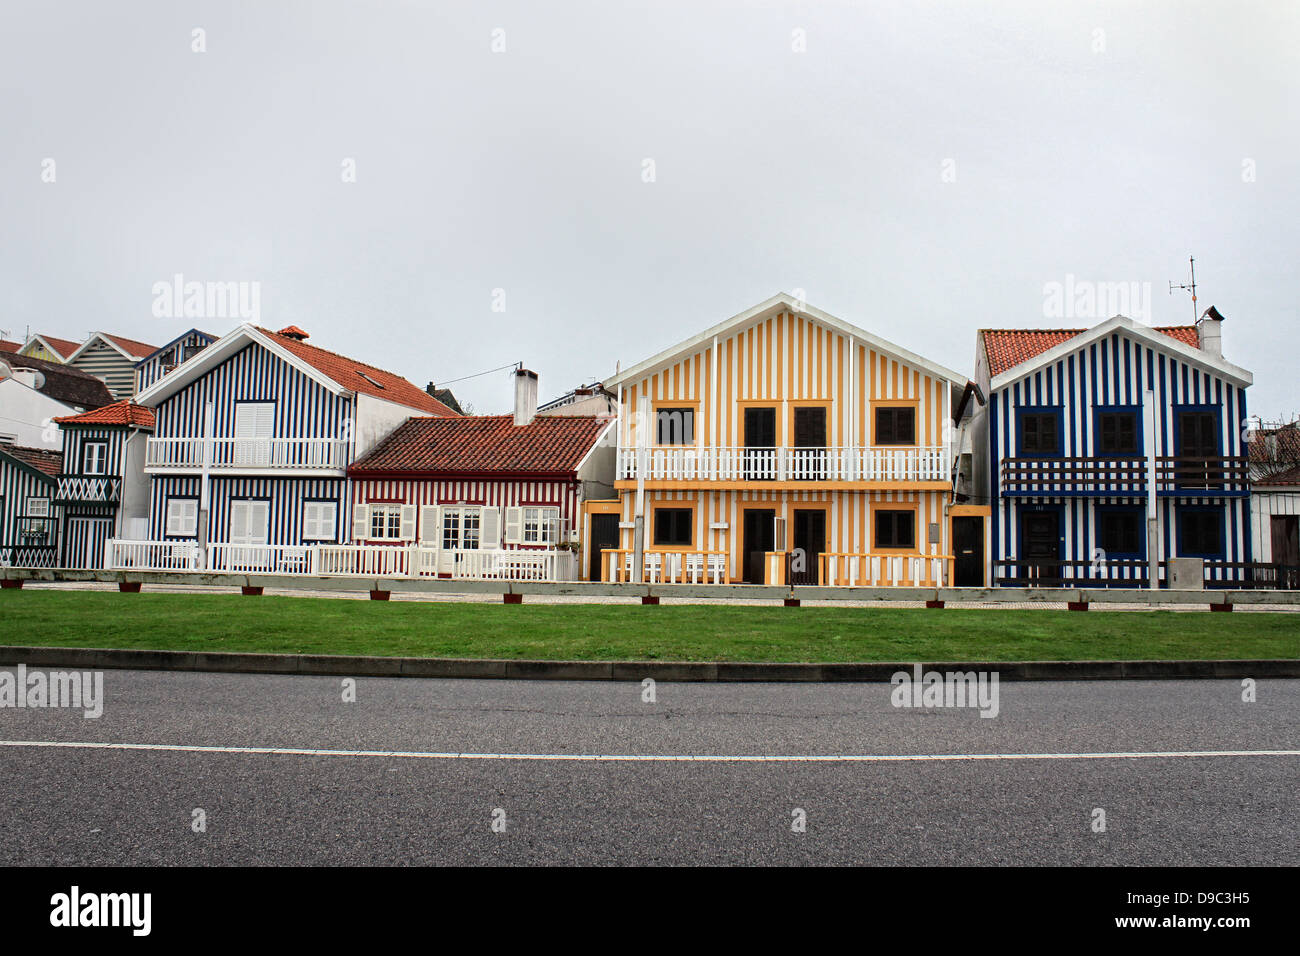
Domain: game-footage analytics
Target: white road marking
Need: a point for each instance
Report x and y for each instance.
(642, 758)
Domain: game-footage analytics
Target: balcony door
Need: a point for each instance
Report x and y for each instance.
(809, 456)
(1198, 450)
(760, 444)
(254, 428)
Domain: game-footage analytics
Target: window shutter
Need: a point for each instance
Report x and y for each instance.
(431, 525)
(360, 522)
(173, 517)
(408, 523)
(490, 528)
(191, 520)
(514, 525)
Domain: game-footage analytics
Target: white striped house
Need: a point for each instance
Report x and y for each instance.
(169, 357)
(29, 515)
(111, 358)
(1066, 459)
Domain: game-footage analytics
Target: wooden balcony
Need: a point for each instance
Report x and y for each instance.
(88, 490)
(855, 463)
(247, 455)
(1045, 477)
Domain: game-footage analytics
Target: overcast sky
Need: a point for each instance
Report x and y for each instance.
(918, 169)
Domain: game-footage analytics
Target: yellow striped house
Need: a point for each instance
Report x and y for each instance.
(784, 445)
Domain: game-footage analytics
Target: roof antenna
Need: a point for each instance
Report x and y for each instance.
(1189, 285)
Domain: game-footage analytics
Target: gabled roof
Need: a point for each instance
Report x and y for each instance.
(1274, 456)
(1030, 349)
(41, 462)
(129, 348)
(7, 346)
(64, 383)
(332, 371)
(63, 348)
(119, 413)
(486, 445)
(781, 302)
(180, 338)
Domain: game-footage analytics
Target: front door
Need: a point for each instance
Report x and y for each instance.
(968, 543)
(809, 545)
(603, 534)
(1285, 530)
(1040, 547)
(250, 521)
(759, 538)
(460, 532)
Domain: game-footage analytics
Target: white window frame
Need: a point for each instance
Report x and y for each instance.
(320, 520)
(387, 520)
(101, 459)
(540, 524)
(38, 507)
(178, 524)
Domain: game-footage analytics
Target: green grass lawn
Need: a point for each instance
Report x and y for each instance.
(210, 622)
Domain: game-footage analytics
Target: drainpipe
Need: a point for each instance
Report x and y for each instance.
(204, 503)
(1153, 522)
(642, 462)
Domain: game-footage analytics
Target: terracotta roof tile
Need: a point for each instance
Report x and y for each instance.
(7, 346)
(64, 347)
(43, 460)
(133, 348)
(119, 413)
(1275, 456)
(485, 445)
(359, 377)
(1008, 348)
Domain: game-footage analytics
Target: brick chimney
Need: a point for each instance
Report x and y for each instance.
(525, 396)
(1209, 332)
(293, 332)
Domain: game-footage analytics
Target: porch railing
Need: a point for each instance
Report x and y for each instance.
(153, 555)
(881, 463)
(29, 556)
(668, 567)
(1024, 573)
(885, 570)
(235, 454)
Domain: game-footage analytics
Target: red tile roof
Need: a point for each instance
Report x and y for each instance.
(45, 461)
(119, 413)
(63, 347)
(7, 346)
(485, 445)
(133, 348)
(1008, 348)
(359, 377)
(1275, 456)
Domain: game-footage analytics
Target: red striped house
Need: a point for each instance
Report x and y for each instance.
(485, 496)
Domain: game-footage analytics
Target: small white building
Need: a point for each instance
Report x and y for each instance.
(1275, 498)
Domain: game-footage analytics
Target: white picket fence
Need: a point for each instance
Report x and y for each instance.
(343, 560)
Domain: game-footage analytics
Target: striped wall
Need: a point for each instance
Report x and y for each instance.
(75, 438)
(788, 359)
(304, 408)
(566, 495)
(286, 496)
(84, 539)
(1116, 370)
(154, 368)
(103, 361)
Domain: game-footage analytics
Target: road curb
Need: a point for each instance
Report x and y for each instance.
(326, 665)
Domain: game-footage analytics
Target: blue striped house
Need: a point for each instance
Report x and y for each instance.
(102, 491)
(251, 445)
(1098, 447)
(169, 357)
(29, 517)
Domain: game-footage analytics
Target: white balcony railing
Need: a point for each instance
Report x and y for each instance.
(260, 559)
(238, 454)
(887, 463)
(123, 555)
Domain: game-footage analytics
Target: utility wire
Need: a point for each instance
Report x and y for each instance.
(466, 378)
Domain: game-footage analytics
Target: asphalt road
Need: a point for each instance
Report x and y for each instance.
(83, 806)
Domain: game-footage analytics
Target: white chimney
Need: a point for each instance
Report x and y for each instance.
(30, 377)
(525, 396)
(1209, 332)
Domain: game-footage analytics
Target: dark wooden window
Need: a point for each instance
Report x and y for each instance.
(896, 425)
(810, 427)
(760, 427)
(1038, 433)
(1198, 435)
(673, 527)
(1120, 532)
(1117, 433)
(1200, 533)
(675, 426)
(895, 529)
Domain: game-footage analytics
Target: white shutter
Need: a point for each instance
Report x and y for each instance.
(360, 522)
(310, 520)
(173, 518)
(408, 523)
(514, 525)
(255, 420)
(490, 529)
(431, 526)
(239, 522)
